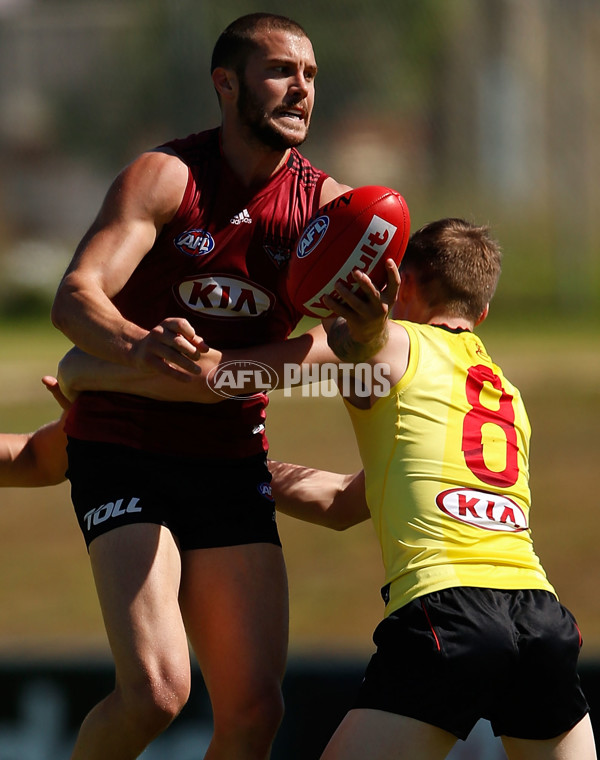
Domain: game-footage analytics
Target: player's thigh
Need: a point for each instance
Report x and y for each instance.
(380, 735)
(576, 744)
(137, 570)
(235, 605)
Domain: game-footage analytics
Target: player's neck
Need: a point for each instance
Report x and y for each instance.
(454, 323)
(252, 162)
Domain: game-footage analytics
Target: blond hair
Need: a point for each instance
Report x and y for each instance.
(456, 265)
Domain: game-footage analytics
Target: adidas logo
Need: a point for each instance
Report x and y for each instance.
(242, 218)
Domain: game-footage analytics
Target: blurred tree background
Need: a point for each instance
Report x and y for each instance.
(488, 110)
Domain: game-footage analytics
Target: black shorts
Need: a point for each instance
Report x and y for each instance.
(452, 657)
(204, 503)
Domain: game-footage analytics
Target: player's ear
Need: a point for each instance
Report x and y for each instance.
(407, 285)
(483, 315)
(403, 296)
(225, 82)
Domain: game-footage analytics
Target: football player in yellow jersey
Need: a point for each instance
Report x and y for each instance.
(473, 629)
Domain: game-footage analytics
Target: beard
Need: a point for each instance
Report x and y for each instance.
(253, 116)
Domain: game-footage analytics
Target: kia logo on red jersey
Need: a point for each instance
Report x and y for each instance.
(490, 511)
(312, 236)
(224, 296)
(195, 242)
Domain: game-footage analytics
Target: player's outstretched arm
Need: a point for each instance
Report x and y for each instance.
(325, 498)
(39, 458)
(34, 459)
(79, 371)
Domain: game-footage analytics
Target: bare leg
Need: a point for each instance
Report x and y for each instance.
(379, 735)
(137, 572)
(235, 606)
(576, 744)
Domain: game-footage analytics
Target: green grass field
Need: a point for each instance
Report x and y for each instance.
(47, 601)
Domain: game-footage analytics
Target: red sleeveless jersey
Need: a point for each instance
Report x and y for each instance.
(221, 264)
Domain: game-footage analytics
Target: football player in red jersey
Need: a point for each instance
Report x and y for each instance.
(192, 239)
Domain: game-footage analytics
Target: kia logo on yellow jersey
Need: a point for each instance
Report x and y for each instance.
(490, 511)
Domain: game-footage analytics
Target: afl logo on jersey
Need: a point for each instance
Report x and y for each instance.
(490, 511)
(223, 296)
(312, 236)
(264, 489)
(195, 242)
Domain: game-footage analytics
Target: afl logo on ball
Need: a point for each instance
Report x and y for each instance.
(312, 236)
(195, 242)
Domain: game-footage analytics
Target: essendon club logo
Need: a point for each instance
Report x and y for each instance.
(195, 242)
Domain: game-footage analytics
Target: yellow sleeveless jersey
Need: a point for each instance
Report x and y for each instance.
(445, 455)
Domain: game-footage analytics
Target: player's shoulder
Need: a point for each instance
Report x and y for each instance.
(399, 335)
(154, 183)
(159, 166)
(194, 148)
(302, 169)
(395, 352)
(331, 189)
(168, 165)
(401, 329)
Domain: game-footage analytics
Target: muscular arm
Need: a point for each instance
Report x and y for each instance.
(101, 367)
(79, 371)
(140, 201)
(317, 496)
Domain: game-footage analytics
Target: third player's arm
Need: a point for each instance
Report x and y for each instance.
(80, 372)
(34, 459)
(325, 498)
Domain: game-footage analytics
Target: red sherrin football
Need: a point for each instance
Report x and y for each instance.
(357, 230)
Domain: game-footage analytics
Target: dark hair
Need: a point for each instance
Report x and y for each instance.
(456, 264)
(237, 41)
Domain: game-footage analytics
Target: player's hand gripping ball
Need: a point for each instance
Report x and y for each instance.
(357, 230)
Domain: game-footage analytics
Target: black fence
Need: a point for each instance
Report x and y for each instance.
(42, 705)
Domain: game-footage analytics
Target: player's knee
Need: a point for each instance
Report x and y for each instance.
(252, 722)
(269, 709)
(156, 700)
(170, 696)
(260, 717)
